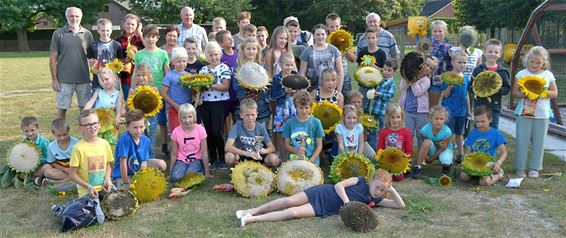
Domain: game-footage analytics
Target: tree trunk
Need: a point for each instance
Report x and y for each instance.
(23, 43)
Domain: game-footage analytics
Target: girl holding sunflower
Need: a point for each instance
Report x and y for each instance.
(534, 88)
(395, 134)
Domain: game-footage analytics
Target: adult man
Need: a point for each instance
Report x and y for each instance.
(68, 62)
(187, 28)
(385, 40)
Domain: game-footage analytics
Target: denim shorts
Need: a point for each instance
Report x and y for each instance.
(457, 125)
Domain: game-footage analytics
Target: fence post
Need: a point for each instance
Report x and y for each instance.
(402, 41)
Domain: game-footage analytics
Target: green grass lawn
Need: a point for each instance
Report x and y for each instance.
(537, 209)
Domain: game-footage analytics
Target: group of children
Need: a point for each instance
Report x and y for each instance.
(196, 124)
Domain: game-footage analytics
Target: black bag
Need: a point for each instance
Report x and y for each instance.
(78, 213)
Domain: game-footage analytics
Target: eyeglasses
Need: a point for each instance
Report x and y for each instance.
(90, 125)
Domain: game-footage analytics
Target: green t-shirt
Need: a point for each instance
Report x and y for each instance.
(156, 60)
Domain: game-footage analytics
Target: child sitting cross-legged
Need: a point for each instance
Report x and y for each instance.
(132, 150)
(249, 140)
(303, 133)
(189, 150)
(59, 153)
(484, 138)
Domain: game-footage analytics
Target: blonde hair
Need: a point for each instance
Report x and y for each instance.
(212, 46)
(145, 69)
(355, 94)
(287, 56)
(179, 52)
(242, 58)
(438, 109)
(219, 20)
(440, 23)
(537, 51)
(110, 73)
(104, 21)
(350, 108)
(273, 41)
(455, 53)
(187, 108)
(394, 108)
(247, 103)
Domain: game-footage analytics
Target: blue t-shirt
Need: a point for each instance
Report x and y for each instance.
(303, 134)
(351, 138)
(456, 102)
(56, 154)
(248, 140)
(135, 154)
(487, 141)
(178, 93)
(444, 133)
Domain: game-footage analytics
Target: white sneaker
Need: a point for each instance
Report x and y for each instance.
(533, 173)
(243, 219)
(520, 173)
(241, 213)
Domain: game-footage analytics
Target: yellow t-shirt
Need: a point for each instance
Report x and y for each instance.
(91, 160)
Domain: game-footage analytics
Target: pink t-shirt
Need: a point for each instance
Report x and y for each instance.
(188, 143)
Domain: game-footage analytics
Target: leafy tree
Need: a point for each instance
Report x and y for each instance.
(157, 11)
(22, 15)
(352, 12)
(492, 14)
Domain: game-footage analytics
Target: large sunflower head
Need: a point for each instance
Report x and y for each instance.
(116, 66)
(393, 160)
(533, 87)
(190, 180)
(118, 204)
(476, 164)
(295, 82)
(148, 184)
(252, 179)
(196, 80)
(350, 164)
(106, 117)
(425, 46)
(253, 76)
(368, 122)
(452, 78)
(342, 39)
(24, 157)
(328, 113)
(294, 176)
(487, 84)
(146, 99)
(368, 76)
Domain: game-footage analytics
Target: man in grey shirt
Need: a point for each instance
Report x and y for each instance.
(68, 62)
(385, 40)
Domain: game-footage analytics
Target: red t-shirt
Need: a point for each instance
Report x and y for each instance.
(401, 139)
(492, 68)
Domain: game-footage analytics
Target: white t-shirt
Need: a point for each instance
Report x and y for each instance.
(351, 138)
(542, 109)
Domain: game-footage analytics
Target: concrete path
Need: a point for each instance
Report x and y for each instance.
(552, 144)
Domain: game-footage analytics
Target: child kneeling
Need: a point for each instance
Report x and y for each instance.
(484, 138)
(249, 140)
(132, 150)
(189, 149)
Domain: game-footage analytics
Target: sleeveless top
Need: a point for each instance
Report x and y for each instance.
(332, 99)
(106, 100)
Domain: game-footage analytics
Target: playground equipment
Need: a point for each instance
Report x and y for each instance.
(546, 27)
